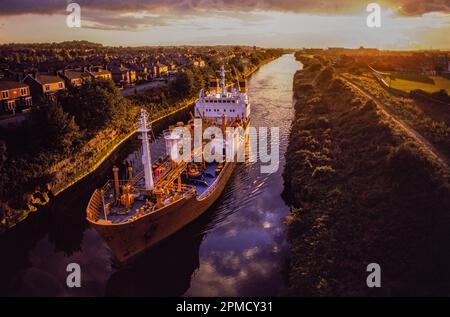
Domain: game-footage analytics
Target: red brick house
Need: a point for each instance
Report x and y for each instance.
(45, 86)
(14, 96)
(74, 77)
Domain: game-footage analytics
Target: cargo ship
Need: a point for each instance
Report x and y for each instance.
(154, 200)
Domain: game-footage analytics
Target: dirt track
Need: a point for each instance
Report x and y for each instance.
(423, 143)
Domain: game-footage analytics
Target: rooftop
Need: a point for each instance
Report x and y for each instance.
(100, 72)
(117, 69)
(73, 74)
(6, 84)
(48, 79)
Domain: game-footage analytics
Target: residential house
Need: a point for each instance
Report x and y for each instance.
(45, 87)
(14, 96)
(142, 72)
(182, 60)
(198, 63)
(74, 77)
(160, 70)
(122, 75)
(99, 73)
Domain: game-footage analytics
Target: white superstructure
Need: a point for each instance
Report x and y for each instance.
(220, 101)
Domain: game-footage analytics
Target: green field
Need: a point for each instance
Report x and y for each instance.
(408, 85)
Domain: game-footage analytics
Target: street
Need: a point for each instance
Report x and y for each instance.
(138, 88)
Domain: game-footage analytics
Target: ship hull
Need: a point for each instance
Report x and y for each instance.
(127, 240)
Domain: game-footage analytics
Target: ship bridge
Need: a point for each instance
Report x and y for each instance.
(216, 103)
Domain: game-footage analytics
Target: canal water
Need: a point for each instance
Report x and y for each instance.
(237, 248)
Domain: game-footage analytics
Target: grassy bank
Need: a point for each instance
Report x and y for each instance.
(432, 120)
(103, 145)
(437, 84)
(361, 192)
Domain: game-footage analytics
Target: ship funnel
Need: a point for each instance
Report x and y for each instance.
(242, 85)
(213, 84)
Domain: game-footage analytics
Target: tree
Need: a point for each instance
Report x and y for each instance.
(2, 162)
(57, 130)
(237, 63)
(97, 104)
(199, 79)
(2, 153)
(184, 84)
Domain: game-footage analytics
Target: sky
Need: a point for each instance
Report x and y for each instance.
(405, 24)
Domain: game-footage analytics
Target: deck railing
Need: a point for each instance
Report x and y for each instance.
(94, 205)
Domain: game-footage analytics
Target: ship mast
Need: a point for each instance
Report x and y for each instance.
(223, 80)
(146, 157)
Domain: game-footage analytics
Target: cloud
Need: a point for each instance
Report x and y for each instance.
(101, 20)
(139, 20)
(407, 7)
(419, 7)
(139, 14)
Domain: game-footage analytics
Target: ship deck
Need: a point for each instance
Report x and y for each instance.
(123, 217)
(208, 178)
(120, 214)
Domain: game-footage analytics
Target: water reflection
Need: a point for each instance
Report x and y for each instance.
(245, 250)
(165, 270)
(237, 248)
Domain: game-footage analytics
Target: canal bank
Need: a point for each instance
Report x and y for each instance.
(362, 192)
(238, 247)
